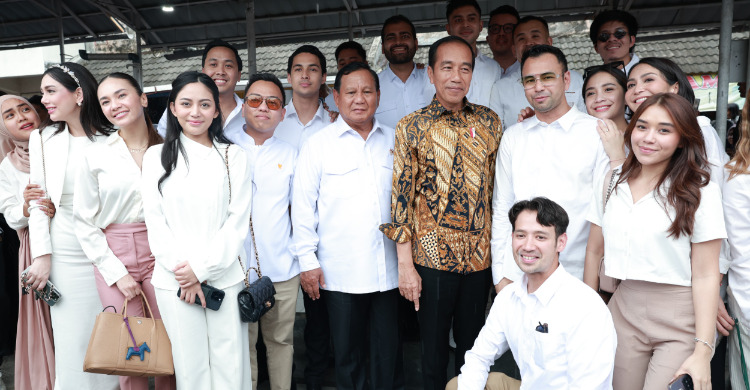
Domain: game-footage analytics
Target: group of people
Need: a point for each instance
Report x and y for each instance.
(434, 183)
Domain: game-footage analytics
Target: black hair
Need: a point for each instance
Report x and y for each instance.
(539, 50)
(397, 19)
(351, 68)
(506, 9)
(270, 78)
(672, 73)
(618, 74)
(220, 43)
(172, 143)
(91, 116)
(531, 18)
(351, 45)
(432, 55)
(153, 137)
(456, 4)
(548, 213)
(613, 15)
(36, 99)
(311, 50)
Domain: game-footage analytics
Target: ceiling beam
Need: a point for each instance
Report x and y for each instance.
(77, 19)
(143, 22)
(44, 7)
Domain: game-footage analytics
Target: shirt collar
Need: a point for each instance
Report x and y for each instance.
(565, 122)
(292, 111)
(114, 138)
(437, 109)
(245, 137)
(341, 127)
(194, 148)
(390, 76)
(235, 112)
(547, 290)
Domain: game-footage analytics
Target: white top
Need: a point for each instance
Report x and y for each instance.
(191, 219)
(634, 59)
(513, 68)
(330, 102)
(398, 99)
(486, 71)
(12, 184)
(578, 352)
(508, 97)
(108, 190)
(561, 161)
(342, 194)
(294, 132)
(717, 156)
(233, 123)
(271, 172)
(636, 245)
(736, 199)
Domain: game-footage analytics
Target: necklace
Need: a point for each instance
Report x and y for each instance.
(138, 150)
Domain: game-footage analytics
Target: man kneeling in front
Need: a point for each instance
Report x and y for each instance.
(559, 330)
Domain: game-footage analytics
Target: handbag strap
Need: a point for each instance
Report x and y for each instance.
(44, 173)
(742, 354)
(612, 183)
(143, 299)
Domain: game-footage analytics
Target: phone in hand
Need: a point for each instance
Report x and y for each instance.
(49, 294)
(683, 382)
(214, 297)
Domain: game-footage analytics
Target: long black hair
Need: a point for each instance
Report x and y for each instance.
(153, 137)
(91, 116)
(172, 143)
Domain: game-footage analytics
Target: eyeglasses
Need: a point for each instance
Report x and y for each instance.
(619, 34)
(496, 28)
(547, 79)
(596, 68)
(254, 100)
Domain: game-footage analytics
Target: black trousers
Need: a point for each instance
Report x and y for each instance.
(317, 340)
(447, 299)
(356, 319)
(9, 288)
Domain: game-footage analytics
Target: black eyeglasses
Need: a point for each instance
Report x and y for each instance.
(596, 68)
(496, 28)
(619, 34)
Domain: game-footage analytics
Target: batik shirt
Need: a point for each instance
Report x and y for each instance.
(443, 176)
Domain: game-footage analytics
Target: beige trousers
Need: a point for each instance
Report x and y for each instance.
(495, 381)
(278, 335)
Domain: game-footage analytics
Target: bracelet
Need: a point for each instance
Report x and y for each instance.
(697, 340)
(622, 159)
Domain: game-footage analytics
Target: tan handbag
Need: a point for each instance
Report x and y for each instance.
(112, 349)
(606, 283)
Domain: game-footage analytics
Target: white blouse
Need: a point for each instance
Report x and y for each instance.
(107, 191)
(736, 200)
(12, 184)
(636, 242)
(191, 219)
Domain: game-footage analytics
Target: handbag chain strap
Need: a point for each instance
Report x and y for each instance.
(44, 173)
(252, 231)
(612, 184)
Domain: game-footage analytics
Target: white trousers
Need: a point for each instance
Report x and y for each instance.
(735, 362)
(210, 348)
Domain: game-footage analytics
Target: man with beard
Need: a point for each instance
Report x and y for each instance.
(503, 20)
(404, 88)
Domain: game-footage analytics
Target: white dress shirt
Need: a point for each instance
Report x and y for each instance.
(398, 98)
(233, 123)
(509, 71)
(634, 59)
(342, 193)
(107, 191)
(578, 352)
(736, 199)
(12, 184)
(636, 245)
(330, 102)
(292, 131)
(271, 170)
(508, 97)
(561, 161)
(486, 72)
(717, 156)
(192, 219)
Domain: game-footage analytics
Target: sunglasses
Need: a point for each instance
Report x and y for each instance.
(596, 68)
(619, 34)
(496, 28)
(255, 100)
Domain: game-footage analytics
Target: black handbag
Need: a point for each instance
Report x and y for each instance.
(257, 298)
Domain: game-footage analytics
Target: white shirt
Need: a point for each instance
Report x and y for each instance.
(342, 193)
(578, 352)
(486, 71)
(636, 245)
(233, 123)
(12, 184)
(561, 161)
(330, 102)
(509, 71)
(191, 219)
(634, 59)
(717, 156)
(107, 191)
(294, 132)
(508, 97)
(736, 199)
(398, 98)
(271, 170)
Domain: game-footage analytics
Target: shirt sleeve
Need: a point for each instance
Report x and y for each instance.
(39, 223)
(715, 153)
(595, 213)
(495, 104)
(502, 200)
(405, 169)
(11, 206)
(590, 349)
(86, 207)
(306, 186)
(709, 218)
(161, 127)
(736, 200)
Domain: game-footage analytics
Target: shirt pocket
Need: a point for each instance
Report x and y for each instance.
(385, 172)
(340, 179)
(549, 350)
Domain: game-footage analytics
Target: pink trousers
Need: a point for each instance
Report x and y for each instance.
(129, 242)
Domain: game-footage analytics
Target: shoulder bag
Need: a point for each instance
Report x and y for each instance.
(606, 283)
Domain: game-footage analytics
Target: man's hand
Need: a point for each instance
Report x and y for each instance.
(311, 282)
(724, 322)
(409, 283)
(525, 113)
(501, 285)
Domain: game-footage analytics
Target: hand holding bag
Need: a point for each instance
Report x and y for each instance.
(606, 283)
(130, 346)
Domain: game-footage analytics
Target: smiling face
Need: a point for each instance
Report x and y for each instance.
(535, 247)
(399, 45)
(19, 118)
(451, 74)
(195, 109)
(465, 22)
(357, 99)
(121, 103)
(614, 49)
(643, 81)
(221, 66)
(262, 120)
(61, 104)
(306, 76)
(605, 98)
(549, 98)
(654, 138)
(530, 34)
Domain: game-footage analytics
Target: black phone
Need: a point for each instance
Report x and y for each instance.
(213, 295)
(683, 382)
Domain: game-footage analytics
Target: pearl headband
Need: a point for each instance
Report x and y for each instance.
(68, 72)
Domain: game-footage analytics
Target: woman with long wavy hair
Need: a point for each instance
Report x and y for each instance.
(660, 234)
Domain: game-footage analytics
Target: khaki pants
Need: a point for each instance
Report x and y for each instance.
(278, 335)
(495, 381)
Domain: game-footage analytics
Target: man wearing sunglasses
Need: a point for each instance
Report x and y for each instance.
(503, 20)
(613, 35)
(271, 167)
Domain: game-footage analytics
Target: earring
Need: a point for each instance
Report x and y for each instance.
(79, 104)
